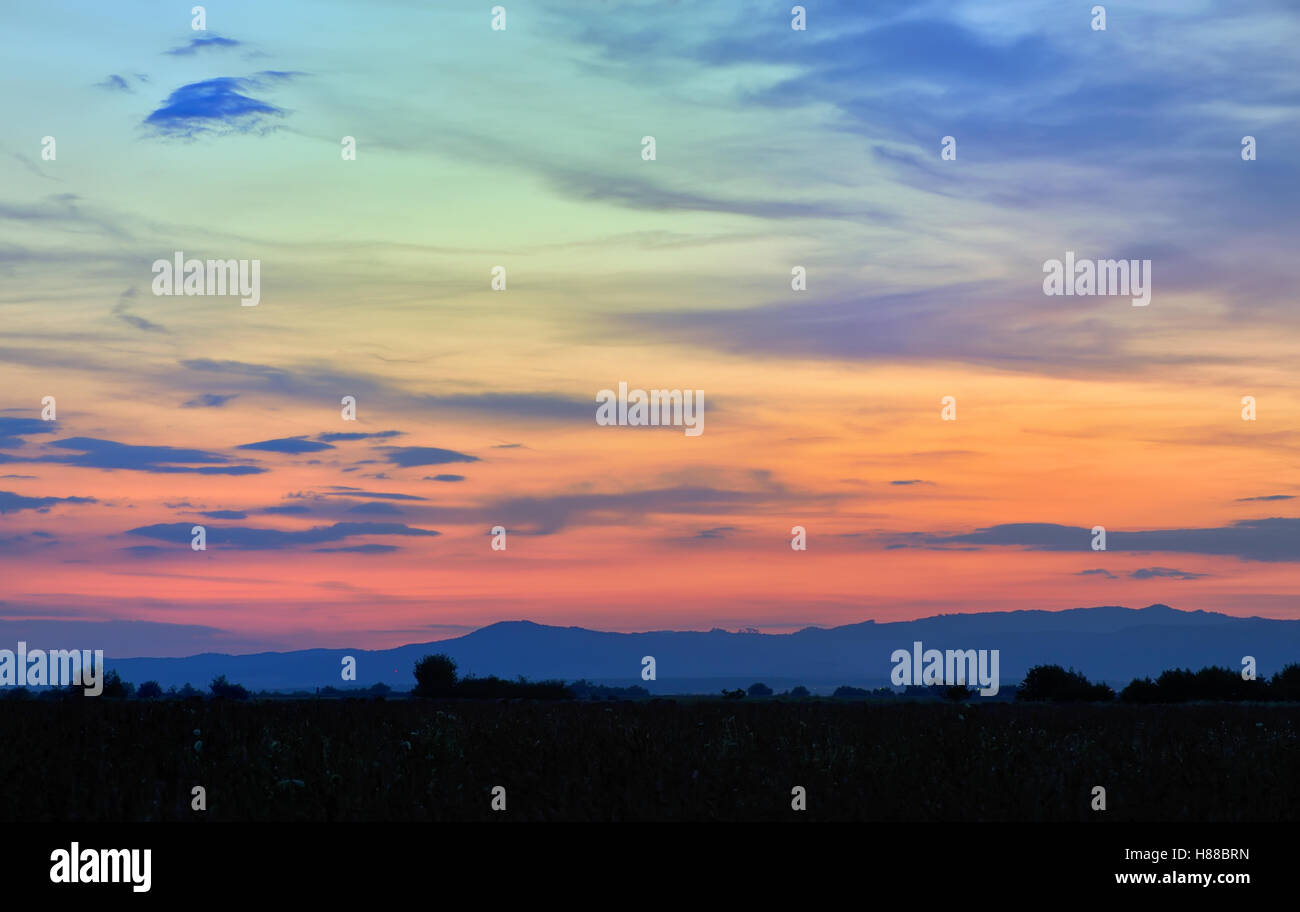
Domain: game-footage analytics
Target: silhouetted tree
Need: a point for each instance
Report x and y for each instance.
(149, 690)
(799, 691)
(760, 690)
(1140, 690)
(115, 688)
(736, 694)
(1179, 685)
(223, 689)
(1054, 683)
(435, 676)
(1215, 683)
(1285, 684)
(957, 693)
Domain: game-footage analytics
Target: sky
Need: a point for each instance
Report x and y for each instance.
(522, 148)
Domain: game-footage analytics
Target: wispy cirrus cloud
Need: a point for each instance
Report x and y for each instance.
(306, 381)
(209, 400)
(202, 43)
(1164, 573)
(345, 491)
(114, 83)
(357, 435)
(359, 549)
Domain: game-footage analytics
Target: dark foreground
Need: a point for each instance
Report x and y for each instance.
(659, 760)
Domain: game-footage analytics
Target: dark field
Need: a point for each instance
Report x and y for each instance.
(706, 760)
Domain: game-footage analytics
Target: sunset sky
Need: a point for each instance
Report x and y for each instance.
(522, 148)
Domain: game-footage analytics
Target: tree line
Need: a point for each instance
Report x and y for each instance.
(437, 677)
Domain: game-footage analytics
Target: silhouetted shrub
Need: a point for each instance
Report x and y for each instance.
(799, 691)
(760, 690)
(586, 690)
(494, 688)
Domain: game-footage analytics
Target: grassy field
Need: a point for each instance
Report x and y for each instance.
(654, 760)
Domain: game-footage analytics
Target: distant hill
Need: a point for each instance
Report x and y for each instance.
(1107, 643)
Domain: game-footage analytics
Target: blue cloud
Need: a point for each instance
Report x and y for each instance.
(344, 491)
(258, 539)
(203, 42)
(108, 454)
(287, 445)
(357, 435)
(717, 532)
(378, 508)
(1165, 573)
(14, 503)
(359, 549)
(1273, 539)
(140, 323)
(218, 106)
(13, 429)
(419, 456)
(114, 83)
(209, 400)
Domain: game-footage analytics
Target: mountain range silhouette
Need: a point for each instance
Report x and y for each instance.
(1108, 643)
